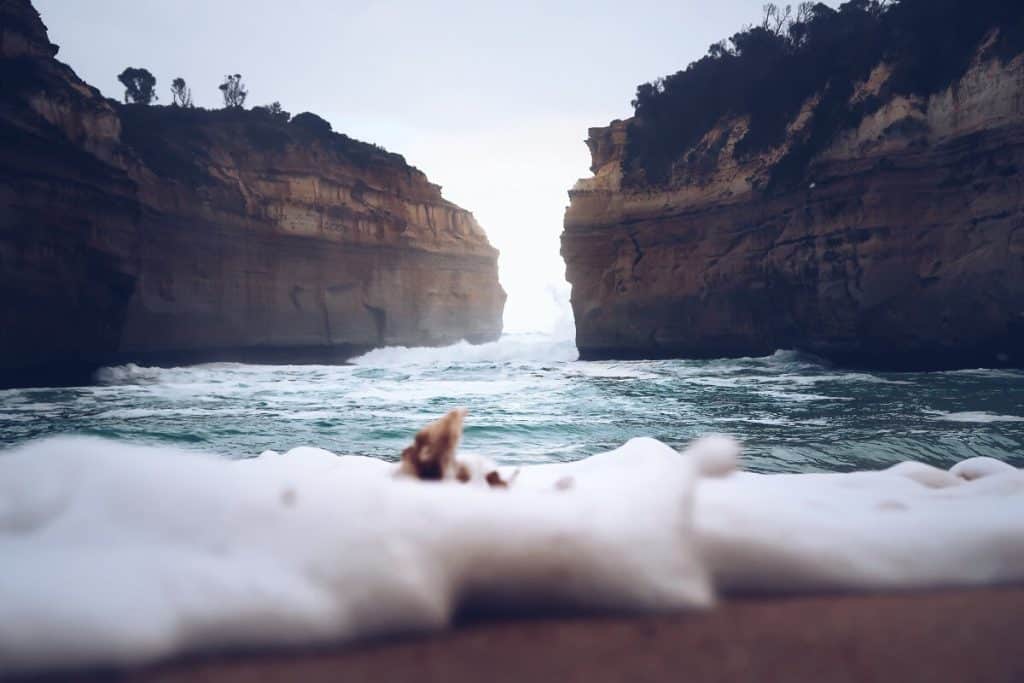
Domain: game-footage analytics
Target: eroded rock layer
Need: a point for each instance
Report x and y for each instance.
(899, 245)
(160, 234)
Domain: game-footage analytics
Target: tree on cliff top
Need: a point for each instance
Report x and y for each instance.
(181, 94)
(234, 91)
(275, 111)
(139, 86)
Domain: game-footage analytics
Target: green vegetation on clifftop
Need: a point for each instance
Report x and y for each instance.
(767, 72)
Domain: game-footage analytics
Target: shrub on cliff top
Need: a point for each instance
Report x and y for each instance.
(181, 94)
(312, 123)
(275, 111)
(139, 86)
(766, 72)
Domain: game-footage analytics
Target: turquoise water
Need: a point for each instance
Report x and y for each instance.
(529, 402)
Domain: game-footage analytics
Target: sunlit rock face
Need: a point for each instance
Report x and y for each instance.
(899, 245)
(159, 234)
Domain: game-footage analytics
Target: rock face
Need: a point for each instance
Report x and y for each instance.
(900, 244)
(159, 234)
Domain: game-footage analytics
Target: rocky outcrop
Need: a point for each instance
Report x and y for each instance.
(167, 235)
(899, 244)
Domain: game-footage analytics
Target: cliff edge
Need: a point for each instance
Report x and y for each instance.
(852, 186)
(173, 235)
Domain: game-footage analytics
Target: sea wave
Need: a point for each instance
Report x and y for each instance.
(129, 373)
(535, 404)
(977, 416)
(511, 347)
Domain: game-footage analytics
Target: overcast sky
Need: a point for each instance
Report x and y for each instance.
(491, 100)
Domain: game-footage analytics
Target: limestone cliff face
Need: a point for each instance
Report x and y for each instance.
(900, 244)
(157, 234)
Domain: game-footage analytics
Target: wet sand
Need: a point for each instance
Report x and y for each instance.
(942, 636)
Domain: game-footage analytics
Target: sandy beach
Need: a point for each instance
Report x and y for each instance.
(937, 636)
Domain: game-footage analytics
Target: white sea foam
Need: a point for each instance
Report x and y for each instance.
(120, 554)
(387, 392)
(792, 356)
(852, 377)
(189, 412)
(771, 421)
(511, 347)
(798, 397)
(973, 416)
(862, 531)
(129, 373)
(614, 370)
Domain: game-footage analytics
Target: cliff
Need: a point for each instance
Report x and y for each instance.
(880, 225)
(169, 235)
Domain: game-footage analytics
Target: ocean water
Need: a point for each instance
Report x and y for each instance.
(530, 401)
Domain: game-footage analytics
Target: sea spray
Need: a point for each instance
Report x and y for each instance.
(511, 347)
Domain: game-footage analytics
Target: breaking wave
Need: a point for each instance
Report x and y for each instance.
(511, 347)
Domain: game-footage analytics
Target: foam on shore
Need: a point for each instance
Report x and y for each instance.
(121, 554)
(116, 554)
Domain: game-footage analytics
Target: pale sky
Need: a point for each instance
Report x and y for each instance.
(491, 100)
